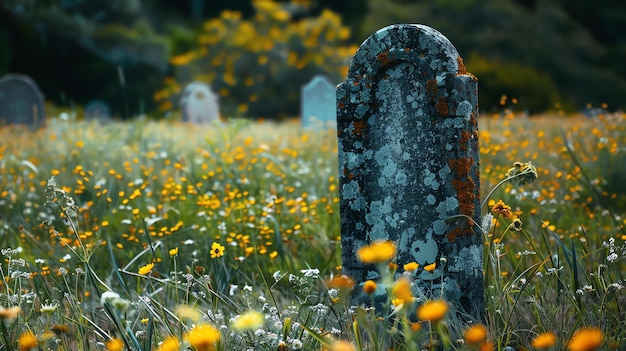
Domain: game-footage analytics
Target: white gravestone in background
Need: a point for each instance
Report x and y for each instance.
(318, 103)
(199, 104)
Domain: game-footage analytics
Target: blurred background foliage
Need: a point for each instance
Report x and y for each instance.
(137, 54)
(258, 65)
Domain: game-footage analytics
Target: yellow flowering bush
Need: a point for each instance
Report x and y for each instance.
(257, 65)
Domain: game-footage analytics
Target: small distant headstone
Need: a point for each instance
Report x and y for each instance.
(407, 124)
(318, 103)
(199, 104)
(98, 110)
(21, 101)
(592, 113)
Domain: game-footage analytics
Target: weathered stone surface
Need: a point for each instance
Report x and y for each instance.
(21, 101)
(409, 161)
(318, 103)
(199, 104)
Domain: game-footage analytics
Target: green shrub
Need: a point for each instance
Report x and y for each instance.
(534, 91)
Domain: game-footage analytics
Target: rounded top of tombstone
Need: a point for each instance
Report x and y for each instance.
(97, 109)
(22, 78)
(197, 91)
(421, 44)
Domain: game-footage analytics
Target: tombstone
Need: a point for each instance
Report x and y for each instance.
(408, 162)
(318, 103)
(21, 101)
(593, 113)
(98, 110)
(199, 104)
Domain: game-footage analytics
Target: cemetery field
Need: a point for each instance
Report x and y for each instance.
(160, 235)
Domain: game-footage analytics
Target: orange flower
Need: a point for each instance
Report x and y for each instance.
(433, 311)
(342, 282)
(10, 313)
(401, 290)
(544, 341)
(486, 346)
(586, 339)
(431, 267)
(500, 208)
(475, 334)
(27, 341)
(114, 344)
(411, 266)
(369, 287)
(377, 252)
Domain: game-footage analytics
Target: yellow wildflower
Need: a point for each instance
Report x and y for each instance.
(432, 311)
(146, 269)
(170, 344)
(173, 252)
(188, 313)
(217, 250)
(251, 320)
(378, 251)
(544, 341)
(586, 339)
(342, 345)
(203, 337)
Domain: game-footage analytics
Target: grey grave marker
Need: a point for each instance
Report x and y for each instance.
(98, 110)
(318, 103)
(408, 162)
(199, 104)
(21, 101)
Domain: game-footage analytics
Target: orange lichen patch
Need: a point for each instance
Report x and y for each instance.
(465, 138)
(383, 58)
(466, 193)
(431, 89)
(442, 107)
(462, 69)
(359, 126)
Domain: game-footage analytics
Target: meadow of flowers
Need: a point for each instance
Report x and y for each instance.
(158, 235)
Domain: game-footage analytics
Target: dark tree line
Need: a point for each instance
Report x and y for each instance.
(540, 51)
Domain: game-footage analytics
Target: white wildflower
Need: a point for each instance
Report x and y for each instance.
(487, 222)
(277, 276)
(311, 272)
